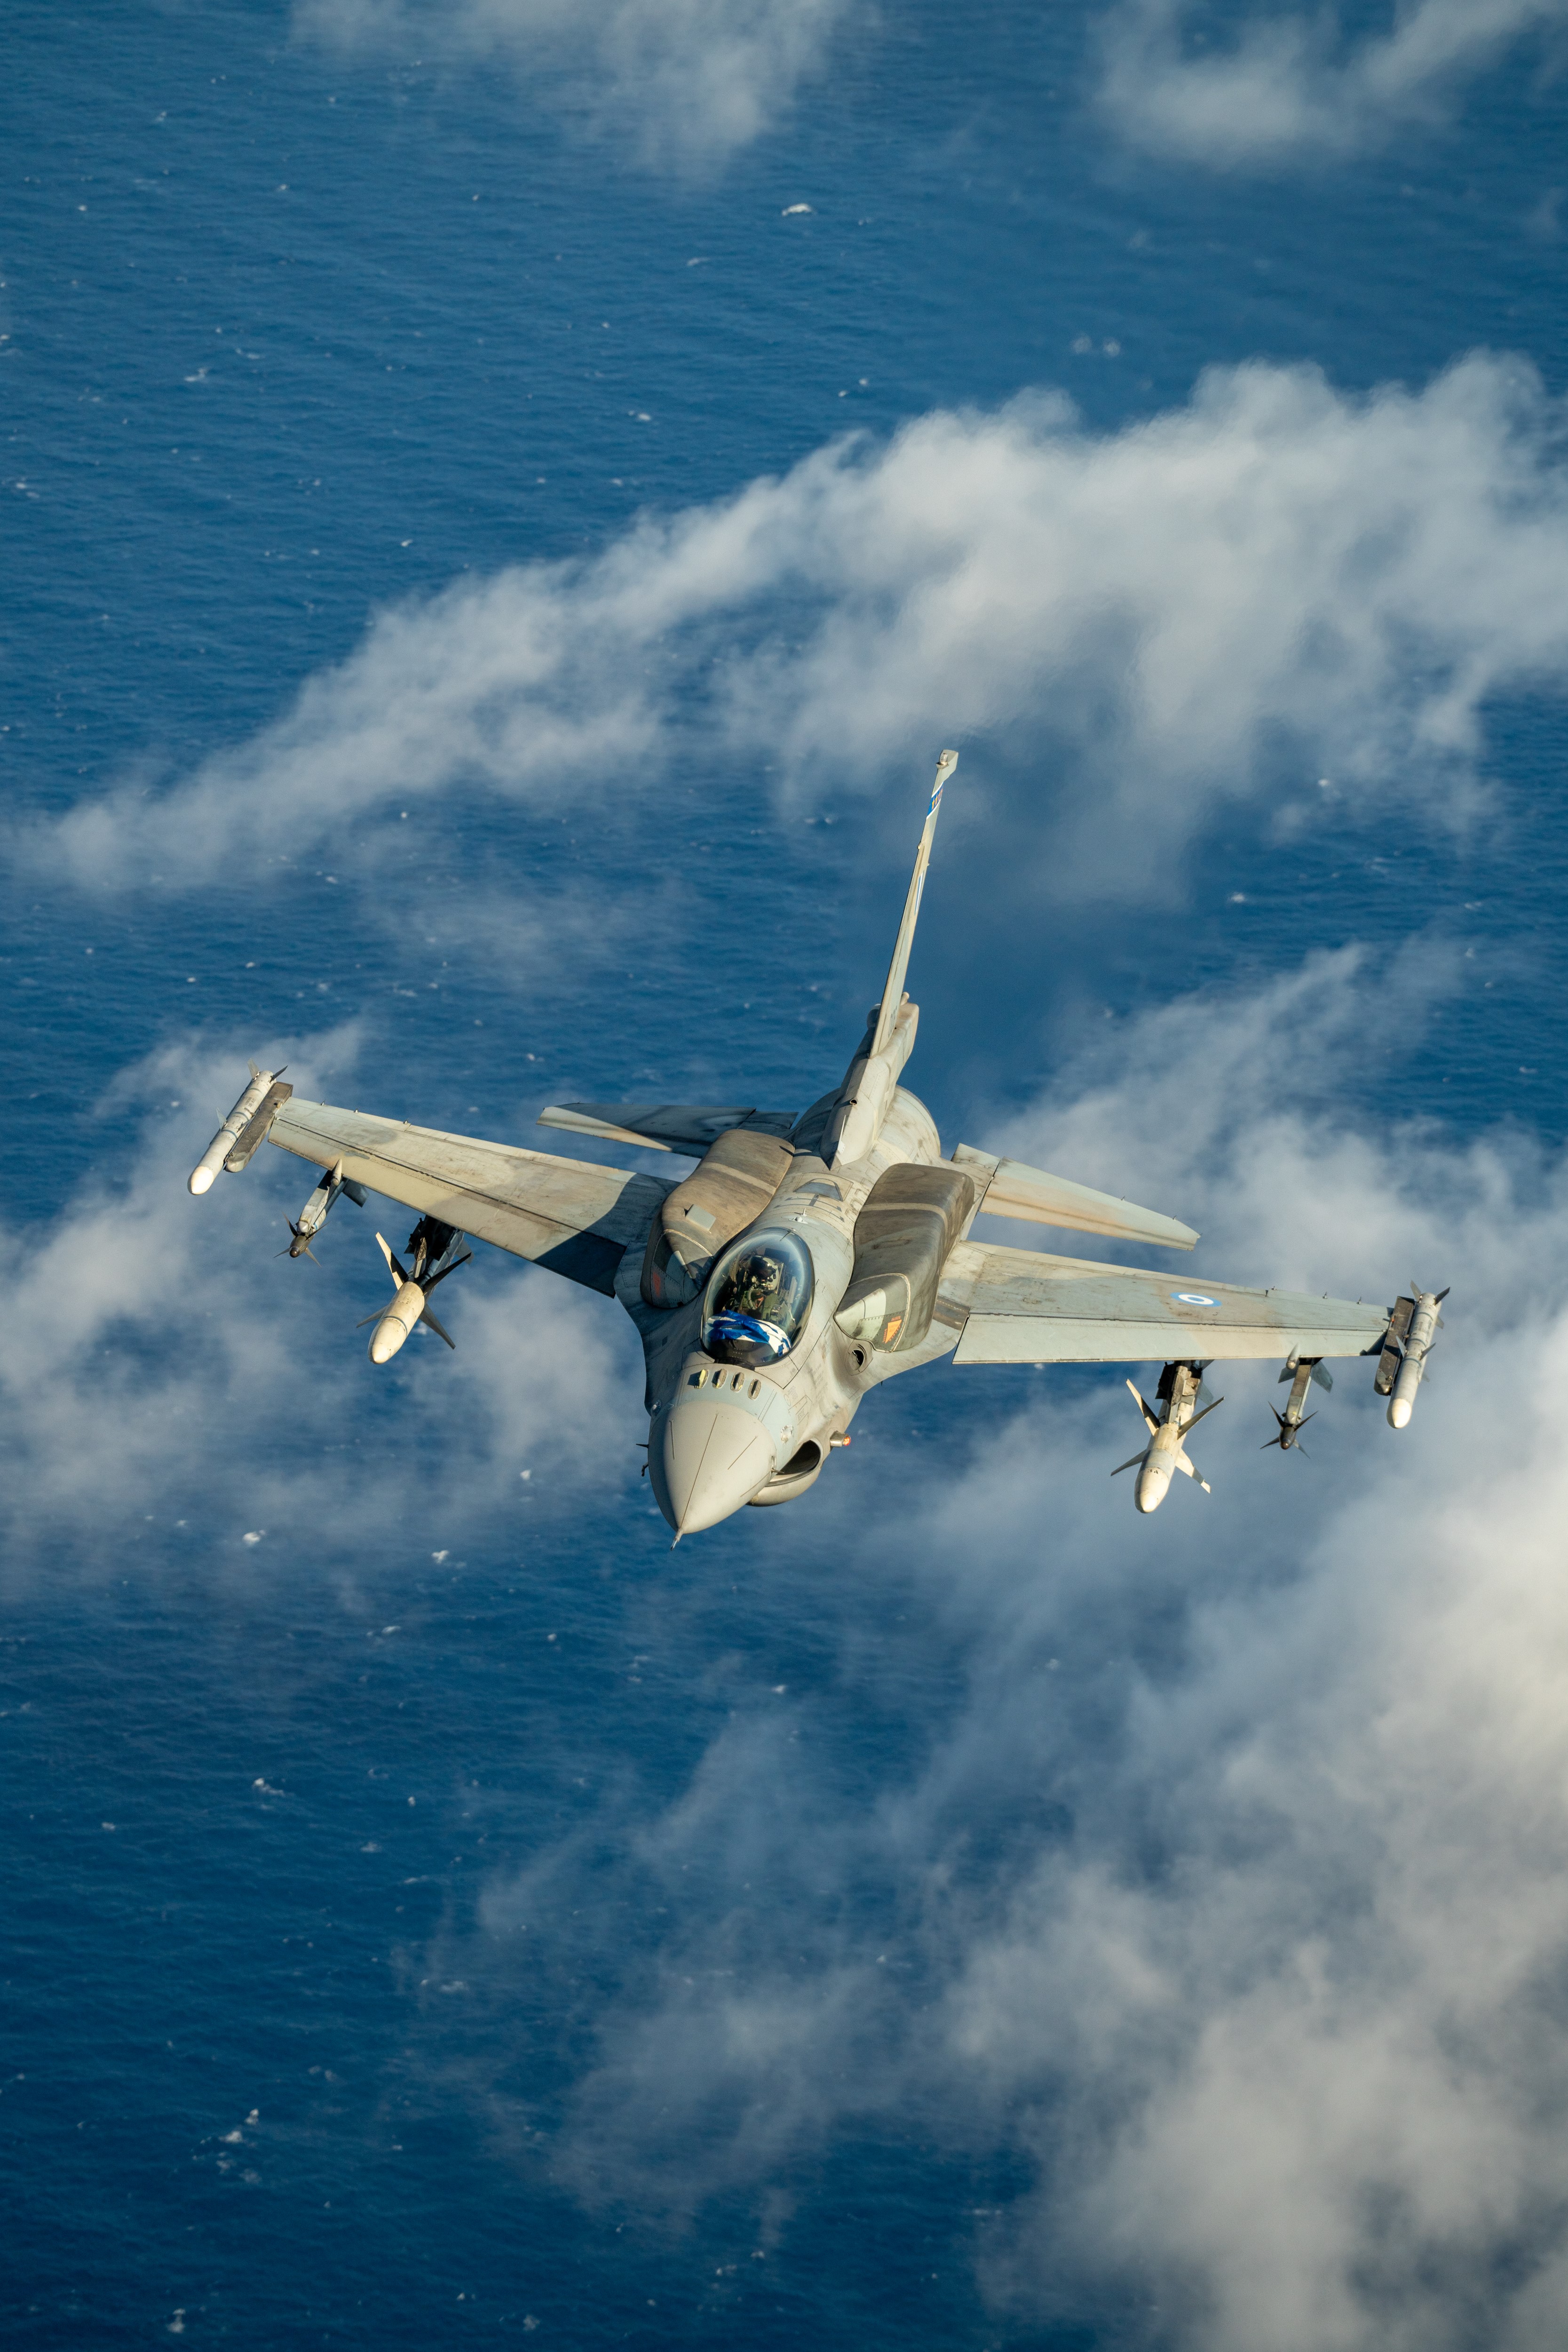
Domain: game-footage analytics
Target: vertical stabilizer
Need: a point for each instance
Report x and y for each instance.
(872, 1079)
(891, 995)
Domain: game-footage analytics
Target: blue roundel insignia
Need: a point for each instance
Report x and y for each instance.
(1192, 1298)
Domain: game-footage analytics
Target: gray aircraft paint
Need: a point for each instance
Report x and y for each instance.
(722, 1434)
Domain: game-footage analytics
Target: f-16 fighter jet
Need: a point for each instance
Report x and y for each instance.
(807, 1257)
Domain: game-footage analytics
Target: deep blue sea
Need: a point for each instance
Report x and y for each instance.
(365, 1888)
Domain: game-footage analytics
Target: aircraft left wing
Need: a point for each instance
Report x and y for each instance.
(572, 1216)
(1022, 1306)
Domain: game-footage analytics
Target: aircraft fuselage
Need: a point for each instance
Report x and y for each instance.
(722, 1435)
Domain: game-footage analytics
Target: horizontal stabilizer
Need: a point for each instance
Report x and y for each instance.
(1013, 1190)
(663, 1126)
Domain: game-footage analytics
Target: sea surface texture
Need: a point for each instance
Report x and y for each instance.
(503, 507)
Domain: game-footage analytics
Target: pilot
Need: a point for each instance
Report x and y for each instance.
(760, 1286)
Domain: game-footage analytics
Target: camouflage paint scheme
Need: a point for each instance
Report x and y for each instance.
(860, 1183)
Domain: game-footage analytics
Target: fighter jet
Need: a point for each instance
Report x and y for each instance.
(806, 1257)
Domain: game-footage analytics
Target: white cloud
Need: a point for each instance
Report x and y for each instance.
(689, 81)
(1217, 1860)
(1122, 631)
(1279, 2021)
(1294, 85)
(1217, 1864)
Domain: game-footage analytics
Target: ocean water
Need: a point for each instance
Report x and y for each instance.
(340, 1868)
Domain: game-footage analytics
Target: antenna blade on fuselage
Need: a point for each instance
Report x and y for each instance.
(893, 995)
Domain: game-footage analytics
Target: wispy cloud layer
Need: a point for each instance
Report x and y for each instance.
(687, 81)
(1217, 1866)
(1295, 87)
(1275, 582)
(1230, 1884)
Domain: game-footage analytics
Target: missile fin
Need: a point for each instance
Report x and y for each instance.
(440, 1331)
(1151, 1417)
(445, 1270)
(398, 1276)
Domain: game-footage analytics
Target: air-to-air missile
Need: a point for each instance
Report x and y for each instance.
(437, 1250)
(245, 1128)
(1301, 1373)
(1413, 1327)
(1165, 1452)
(318, 1208)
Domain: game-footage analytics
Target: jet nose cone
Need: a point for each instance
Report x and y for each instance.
(709, 1459)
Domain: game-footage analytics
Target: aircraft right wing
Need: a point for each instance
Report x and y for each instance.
(1021, 1307)
(572, 1216)
(663, 1126)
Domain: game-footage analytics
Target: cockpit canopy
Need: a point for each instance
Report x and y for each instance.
(759, 1297)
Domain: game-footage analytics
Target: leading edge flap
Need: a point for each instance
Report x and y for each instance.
(688, 1128)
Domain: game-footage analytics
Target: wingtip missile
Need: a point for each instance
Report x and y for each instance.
(1414, 1344)
(232, 1133)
